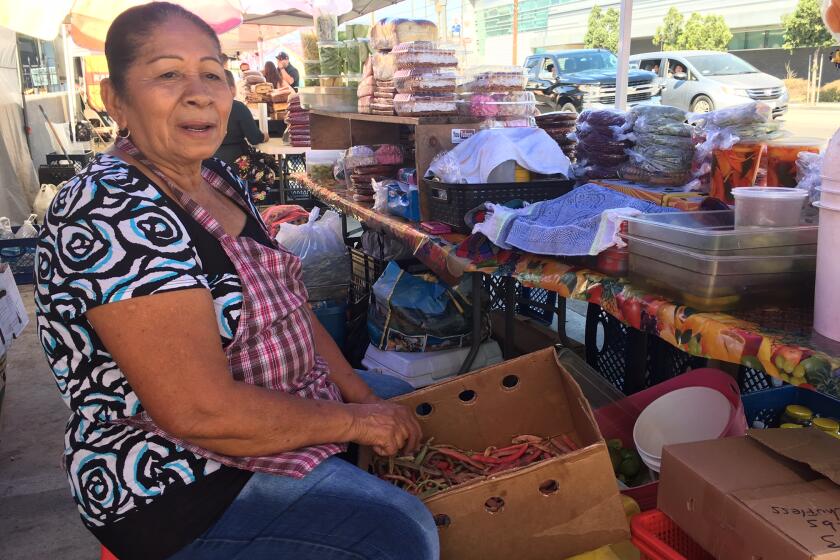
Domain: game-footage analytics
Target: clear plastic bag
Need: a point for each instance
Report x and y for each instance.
(749, 113)
(27, 229)
(325, 259)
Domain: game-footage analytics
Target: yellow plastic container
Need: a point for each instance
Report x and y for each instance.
(829, 425)
(796, 414)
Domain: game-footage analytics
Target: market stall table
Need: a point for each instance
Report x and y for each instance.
(777, 341)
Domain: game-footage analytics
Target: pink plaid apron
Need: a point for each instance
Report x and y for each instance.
(273, 346)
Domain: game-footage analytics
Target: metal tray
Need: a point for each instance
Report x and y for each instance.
(701, 263)
(707, 292)
(714, 233)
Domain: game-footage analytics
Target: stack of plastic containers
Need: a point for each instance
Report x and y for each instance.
(702, 260)
(497, 94)
(827, 303)
(425, 80)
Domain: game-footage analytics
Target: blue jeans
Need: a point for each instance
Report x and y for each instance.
(337, 512)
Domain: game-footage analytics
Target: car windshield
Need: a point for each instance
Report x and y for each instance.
(581, 62)
(723, 64)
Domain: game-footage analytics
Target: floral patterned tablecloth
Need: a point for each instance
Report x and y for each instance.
(778, 341)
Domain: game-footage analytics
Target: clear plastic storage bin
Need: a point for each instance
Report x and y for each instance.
(499, 104)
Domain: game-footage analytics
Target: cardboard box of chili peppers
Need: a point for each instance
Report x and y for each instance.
(516, 466)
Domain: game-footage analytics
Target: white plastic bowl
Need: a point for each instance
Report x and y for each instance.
(768, 206)
(682, 416)
(655, 466)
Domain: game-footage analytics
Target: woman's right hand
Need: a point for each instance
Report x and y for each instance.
(387, 427)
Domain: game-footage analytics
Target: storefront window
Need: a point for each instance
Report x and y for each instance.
(38, 65)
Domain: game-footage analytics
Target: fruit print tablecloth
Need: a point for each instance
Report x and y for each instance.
(778, 341)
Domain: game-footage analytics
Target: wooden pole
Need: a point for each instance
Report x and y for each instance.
(515, 32)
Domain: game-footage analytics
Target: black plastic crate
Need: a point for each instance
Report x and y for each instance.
(630, 359)
(82, 159)
(449, 202)
(19, 254)
(536, 303)
(293, 191)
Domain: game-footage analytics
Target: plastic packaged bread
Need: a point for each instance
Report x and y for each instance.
(390, 32)
(384, 66)
(423, 53)
(425, 80)
(496, 78)
(499, 104)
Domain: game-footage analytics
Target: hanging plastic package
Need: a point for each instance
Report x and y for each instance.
(325, 259)
(420, 313)
(397, 198)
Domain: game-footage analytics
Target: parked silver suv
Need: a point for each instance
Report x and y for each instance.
(702, 81)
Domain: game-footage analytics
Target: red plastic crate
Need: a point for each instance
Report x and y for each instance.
(658, 538)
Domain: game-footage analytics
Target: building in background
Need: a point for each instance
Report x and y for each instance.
(483, 28)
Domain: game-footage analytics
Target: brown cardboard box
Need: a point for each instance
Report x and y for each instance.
(771, 495)
(578, 508)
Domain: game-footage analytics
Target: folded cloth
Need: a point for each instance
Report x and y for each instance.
(474, 159)
(565, 226)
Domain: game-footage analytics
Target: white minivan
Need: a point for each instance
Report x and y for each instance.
(702, 81)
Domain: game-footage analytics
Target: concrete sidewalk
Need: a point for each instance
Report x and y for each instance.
(38, 518)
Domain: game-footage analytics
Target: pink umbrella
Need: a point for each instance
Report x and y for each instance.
(89, 19)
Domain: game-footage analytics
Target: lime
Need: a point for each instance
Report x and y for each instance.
(614, 443)
(615, 459)
(630, 467)
(627, 454)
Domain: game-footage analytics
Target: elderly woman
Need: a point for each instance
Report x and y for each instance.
(208, 404)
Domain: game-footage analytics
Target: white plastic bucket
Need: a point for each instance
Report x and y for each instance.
(826, 300)
(830, 191)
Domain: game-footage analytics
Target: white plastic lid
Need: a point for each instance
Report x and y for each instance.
(769, 192)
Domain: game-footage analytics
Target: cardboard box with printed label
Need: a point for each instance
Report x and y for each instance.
(771, 495)
(552, 509)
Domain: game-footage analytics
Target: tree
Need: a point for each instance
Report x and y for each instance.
(710, 33)
(717, 33)
(602, 29)
(805, 27)
(667, 36)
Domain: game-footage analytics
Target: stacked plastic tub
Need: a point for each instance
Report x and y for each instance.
(702, 260)
(425, 80)
(827, 303)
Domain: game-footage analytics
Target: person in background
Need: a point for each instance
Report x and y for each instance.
(289, 73)
(272, 76)
(241, 127)
(244, 67)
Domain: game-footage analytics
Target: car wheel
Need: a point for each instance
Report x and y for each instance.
(568, 108)
(702, 104)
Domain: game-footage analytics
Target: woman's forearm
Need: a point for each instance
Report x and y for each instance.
(353, 389)
(253, 421)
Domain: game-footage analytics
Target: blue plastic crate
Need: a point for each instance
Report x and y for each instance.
(20, 256)
(767, 406)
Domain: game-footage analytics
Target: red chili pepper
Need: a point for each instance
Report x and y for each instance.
(570, 442)
(517, 450)
(458, 456)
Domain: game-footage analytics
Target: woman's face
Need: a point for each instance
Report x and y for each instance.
(177, 100)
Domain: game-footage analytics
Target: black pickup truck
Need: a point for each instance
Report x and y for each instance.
(583, 79)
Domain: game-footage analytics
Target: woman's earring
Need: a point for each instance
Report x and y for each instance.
(124, 133)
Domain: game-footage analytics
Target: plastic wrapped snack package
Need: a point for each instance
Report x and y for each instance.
(359, 156)
(754, 112)
(425, 80)
(499, 104)
(364, 105)
(496, 79)
(423, 54)
(387, 33)
(658, 113)
(415, 105)
(602, 118)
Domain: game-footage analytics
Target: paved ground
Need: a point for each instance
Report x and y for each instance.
(38, 518)
(813, 122)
